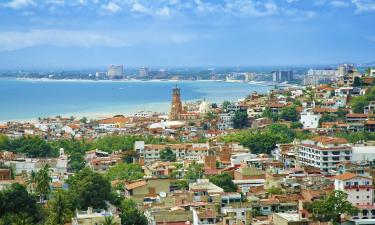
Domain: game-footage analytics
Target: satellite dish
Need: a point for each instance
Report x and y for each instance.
(163, 194)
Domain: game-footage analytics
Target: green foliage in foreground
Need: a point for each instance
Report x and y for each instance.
(89, 189)
(17, 205)
(331, 207)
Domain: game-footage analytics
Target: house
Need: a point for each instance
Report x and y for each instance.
(113, 123)
(358, 187)
(309, 119)
(94, 217)
(289, 219)
(148, 189)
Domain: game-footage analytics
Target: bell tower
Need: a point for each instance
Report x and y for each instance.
(176, 107)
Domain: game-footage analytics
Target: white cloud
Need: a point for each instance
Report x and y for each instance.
(364, 5)
(61, 38)
(18, 4)
(112, 7)
(163, 11)
(139, 8)
(339, 4)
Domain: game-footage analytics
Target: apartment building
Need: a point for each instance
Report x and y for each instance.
(324, 153)
(187, 151)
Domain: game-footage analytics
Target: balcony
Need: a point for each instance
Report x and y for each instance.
(358, 186)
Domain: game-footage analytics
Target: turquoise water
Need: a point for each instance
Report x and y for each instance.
(30, 99)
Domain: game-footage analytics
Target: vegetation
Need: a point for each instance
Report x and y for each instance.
(224, 105)
(130, 215)
(267, 112)
(194, 171)
(240, 120)
(59, 212)
(125, 171)
(167, 155)
(289, 113)
(43, 180)
(17, 205)
(263, 141)
(358, 103)
(274, 191)
(224, 181)
(31, 146)
(331, 207)
(87, 188)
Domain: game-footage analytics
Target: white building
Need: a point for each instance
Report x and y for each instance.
(358, 187)
(324, 153)
(143, 72)
(225, 121)
(309, 119)
(187, 151)
(318, 76)
(114, 71)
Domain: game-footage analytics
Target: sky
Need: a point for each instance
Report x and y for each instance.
(97, 33)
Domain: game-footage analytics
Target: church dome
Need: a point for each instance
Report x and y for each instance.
(204, 107)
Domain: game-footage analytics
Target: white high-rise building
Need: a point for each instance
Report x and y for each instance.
(115, 71)
(143, 72)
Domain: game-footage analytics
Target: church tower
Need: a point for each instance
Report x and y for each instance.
(176, 107)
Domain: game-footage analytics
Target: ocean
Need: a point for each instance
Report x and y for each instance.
(24, 100)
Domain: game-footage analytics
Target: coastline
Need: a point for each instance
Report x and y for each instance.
(216, 91)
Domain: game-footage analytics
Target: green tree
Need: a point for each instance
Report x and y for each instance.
(296, 125)
(240, 119)
(224, 105)
(327, 117)
(357, 82)
(32, 147)
(89, 189)
(108, 220)
(130, 215)
(59, 212)
(274, 190)
(267, 112)
(43, 180)
(76, 161)
(125, 171)
(224, 181)
(167, 155)
(289, 113)
(358, 103)
(331, 207)
(17, 202)
(194, 171)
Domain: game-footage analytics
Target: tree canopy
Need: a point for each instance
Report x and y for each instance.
(240, 119)
(125, 171)
(167, 155)
(89, 189)
(224, 181)
(331, 207)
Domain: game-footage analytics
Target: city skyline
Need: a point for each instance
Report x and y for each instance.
(55, 33)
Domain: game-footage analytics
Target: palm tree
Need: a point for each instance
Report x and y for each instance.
(59, 210)
(43, 180)
(108, 220)
(32, 180)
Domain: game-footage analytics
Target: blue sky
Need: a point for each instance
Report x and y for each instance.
(95, 33)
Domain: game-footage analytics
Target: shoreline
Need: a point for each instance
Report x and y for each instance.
(99, 112)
